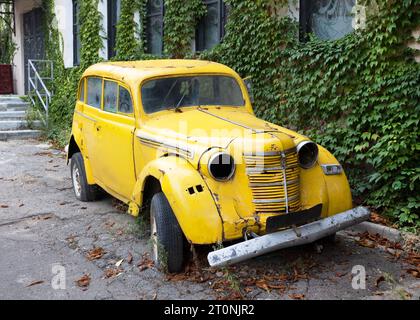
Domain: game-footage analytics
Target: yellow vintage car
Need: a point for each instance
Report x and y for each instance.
(178, 140)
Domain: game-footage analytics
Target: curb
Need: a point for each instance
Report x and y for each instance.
(391, 234)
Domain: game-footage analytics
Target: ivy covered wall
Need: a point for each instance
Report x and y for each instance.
(357, 96)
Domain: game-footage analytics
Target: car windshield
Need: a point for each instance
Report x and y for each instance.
(175, 92)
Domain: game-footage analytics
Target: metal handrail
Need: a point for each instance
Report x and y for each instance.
(34, 80)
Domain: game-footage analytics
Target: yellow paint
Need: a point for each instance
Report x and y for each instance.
(122, 151)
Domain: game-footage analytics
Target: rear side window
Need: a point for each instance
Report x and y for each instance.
(110, 96)
(125, 104)
(94, 92)
(82, 91)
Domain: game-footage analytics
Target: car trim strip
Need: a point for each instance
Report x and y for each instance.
(151, 142)
(275, 200)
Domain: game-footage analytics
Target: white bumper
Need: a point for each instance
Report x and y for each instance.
(287, 238)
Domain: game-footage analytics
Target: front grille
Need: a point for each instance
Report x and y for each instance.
(271, 192)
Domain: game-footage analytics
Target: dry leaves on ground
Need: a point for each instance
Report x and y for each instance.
(84, 281)
(145, 263)
(414, 272)
(112, 272)
(95, 253)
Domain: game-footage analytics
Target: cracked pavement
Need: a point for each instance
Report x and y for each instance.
(42, 225)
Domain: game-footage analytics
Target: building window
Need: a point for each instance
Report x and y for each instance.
(211, 28)
(327, 19)
(76, 32)
(154, 27)
(114, 10)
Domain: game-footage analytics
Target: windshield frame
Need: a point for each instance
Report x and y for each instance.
(185, 75)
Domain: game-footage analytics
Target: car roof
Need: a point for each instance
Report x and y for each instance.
(133, 72)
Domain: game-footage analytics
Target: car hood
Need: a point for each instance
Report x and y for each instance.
(198, 130)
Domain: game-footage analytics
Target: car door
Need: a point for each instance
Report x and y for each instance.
(91, 115)
(113, 155)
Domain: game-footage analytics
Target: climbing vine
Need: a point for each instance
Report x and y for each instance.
(357, 96)
(180, 20)
(8, 47)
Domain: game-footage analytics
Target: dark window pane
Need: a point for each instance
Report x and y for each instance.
(94, 92)
(76, 32)
(205, 90)
(211, 27)
(125, 104)
(114, 10)
(154, 27)
(110, 96)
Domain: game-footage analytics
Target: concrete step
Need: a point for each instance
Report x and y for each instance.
(12, 115)
(14, 106)
(19, 134)
(6, 125)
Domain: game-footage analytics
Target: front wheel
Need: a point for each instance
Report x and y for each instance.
(82, 190)
(166, 235)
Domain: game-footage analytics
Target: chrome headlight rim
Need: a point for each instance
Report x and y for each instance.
(232, 171)
(304, 145)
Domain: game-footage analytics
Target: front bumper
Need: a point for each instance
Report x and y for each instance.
(287, 238)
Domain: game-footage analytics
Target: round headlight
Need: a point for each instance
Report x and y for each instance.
(221, 166)
(307, 154)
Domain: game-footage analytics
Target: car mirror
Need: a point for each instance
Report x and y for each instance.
(249, 87)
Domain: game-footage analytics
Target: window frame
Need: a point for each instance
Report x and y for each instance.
(150, 15)
(76, 32)
(82, 84)
(119, 85)
(200, 42)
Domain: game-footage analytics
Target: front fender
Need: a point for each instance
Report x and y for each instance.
(332, 191)
(188, 195)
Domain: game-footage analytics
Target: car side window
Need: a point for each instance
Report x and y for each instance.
(82, 91)
(94, 92)
(125, 104)
(110, 96)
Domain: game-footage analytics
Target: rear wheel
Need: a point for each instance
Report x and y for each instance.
(166, 235)
(82, 190)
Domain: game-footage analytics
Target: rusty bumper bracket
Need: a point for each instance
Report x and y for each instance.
(287, 238)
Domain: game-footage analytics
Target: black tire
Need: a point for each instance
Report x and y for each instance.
(84, 192)
(168, 238)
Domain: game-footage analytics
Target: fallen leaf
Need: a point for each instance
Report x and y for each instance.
(414, 272)
(248, 289)
(21, 205)
(35, 283)
(145, 263)
(4, 206)
(95, 253)
(119, 262)
(129, 258)
(112, 272)
(297, 296)
(84, 281)
(366, 243)
(262, 284)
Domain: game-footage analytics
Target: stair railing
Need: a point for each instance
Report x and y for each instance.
(36, 84)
